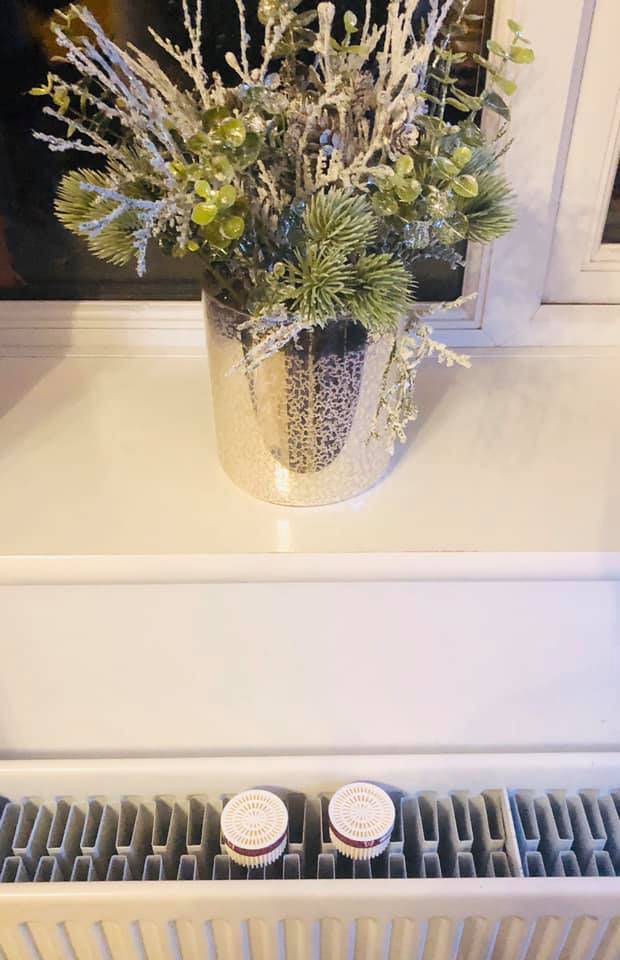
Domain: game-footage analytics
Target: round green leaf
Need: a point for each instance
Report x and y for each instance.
(350, 21)
(465, 186)
(203, 213)
(222, 167)
(233, 132)
(268, 10)
(496, 48)
(213, 236)
(384, 204)
(226, 196)
(404, 165)
(214, 116)
(408, 190)
(232, 228)
(508, 86)
(198, 142)
(521, 54)
(249, 152)
(461, 156)
(514, 26)
(446, 167)
(203, 189)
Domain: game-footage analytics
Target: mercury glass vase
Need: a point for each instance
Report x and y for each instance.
(296, 429)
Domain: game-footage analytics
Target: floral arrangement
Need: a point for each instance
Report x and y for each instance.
(310, 188)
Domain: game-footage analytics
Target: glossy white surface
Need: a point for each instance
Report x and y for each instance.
(114, 458)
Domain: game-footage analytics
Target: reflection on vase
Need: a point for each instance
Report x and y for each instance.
(297, 428)
(319, 378)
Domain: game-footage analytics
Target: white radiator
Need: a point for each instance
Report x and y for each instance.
(493, 857)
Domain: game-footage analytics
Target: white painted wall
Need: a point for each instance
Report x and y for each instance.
(309, 667)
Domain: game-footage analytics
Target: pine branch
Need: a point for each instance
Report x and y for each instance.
(323, 281)
(382, 292)
(343, 220)
(76, 206)
(491, 214)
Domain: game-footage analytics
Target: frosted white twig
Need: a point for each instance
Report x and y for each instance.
(194, 32)
(60, 144)
(269, 335)
(367, 19)
(412, 345)
(274, 32)
(148, 212)
(98, 141)
(244, 41)
(420, 313)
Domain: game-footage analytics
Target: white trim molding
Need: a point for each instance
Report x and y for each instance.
(101, 328)
(490, 567)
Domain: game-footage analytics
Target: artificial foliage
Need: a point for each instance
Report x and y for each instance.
(308, 188)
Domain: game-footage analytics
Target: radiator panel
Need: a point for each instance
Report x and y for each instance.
(450, 886)
(247, 925)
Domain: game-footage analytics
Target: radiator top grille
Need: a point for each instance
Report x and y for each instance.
(458, 835)
(561, 835)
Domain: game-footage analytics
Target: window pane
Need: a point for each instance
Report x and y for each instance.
(611, 231)
(39, 259)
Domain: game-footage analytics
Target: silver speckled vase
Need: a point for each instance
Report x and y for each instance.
(296, 430)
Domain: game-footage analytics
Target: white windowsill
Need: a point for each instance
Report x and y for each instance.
(108, 472)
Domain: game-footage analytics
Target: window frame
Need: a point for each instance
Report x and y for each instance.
(516, 313)
(510, 276)
(582, 268)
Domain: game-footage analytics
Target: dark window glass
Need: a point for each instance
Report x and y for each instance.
(39, 259)
(611, 231)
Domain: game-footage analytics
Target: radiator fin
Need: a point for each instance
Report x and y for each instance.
(563, 835)
(178, 838)
(460, 835)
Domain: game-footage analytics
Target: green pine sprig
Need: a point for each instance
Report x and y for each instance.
(337, 274)
(341, 219)
(75, 207)
(322, 283)
(382, 292)
(491, 213)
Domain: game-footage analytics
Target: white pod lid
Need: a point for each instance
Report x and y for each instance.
(254, 828)
(361, 820)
